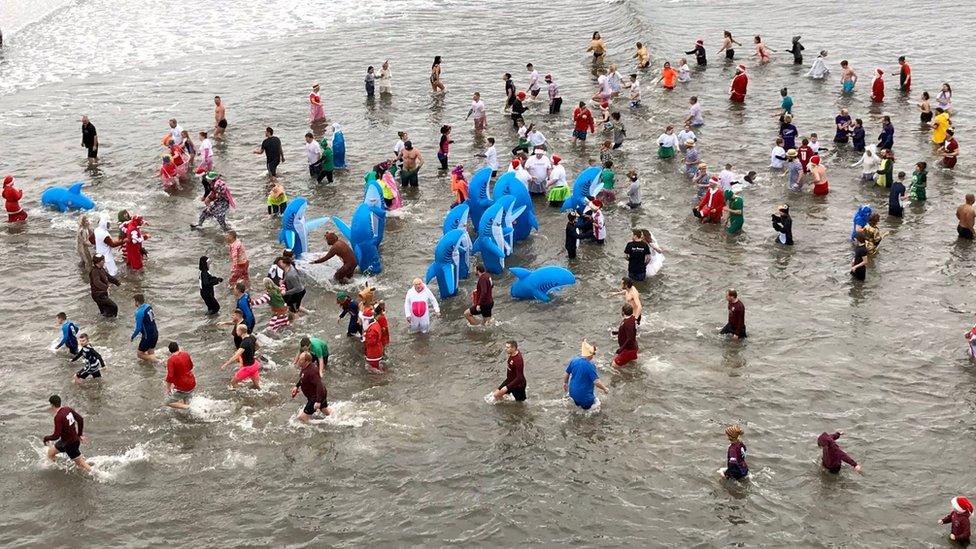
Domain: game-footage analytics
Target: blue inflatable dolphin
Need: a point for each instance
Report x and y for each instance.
(509, 185)
(294, 228)
(447, 261)
(587, 185)
(509, 219)
(67, 198)
(479, 194)
(338, 147)
(373, 197)
(364, 242)
(538, 284)
(491, 239)
(457, 218)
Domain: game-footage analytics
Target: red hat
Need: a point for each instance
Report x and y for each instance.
(515, 163)
(520, 95)
(598, 203)
(741, 67)
(8, 181)
(961, 504)
(556, 160)
(368, 312)
(879, 70)
(700, 42)
(605, 105)
(548, 76)
(815, 160)
(201, 170)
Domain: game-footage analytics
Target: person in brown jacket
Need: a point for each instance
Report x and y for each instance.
(99, 279)
(340, 248)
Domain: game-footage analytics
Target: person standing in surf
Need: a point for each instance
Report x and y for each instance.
(310, 384)
(727, 42)
(220, 118)
(848, 78)
(735, 458)
(69, 433)
(515, 382)
(581, 378)
(436, 86)
(832, 456)
(316, 112)
(736, 326)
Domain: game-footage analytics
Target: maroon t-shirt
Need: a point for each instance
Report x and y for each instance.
(484, 290)
(515, 375)
(627, 335)
(68, 426)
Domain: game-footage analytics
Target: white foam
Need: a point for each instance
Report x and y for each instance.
(235, 460)
(107, 468)
(209, 410)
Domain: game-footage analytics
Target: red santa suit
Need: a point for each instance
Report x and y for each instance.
(737, 90)
(877, 87)
(179, 157)
(710, 207)
(168, 173)
(133, 243)
(372, 341)
(11, 197)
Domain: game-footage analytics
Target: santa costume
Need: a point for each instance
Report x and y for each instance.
(737, 90)
(710, 207)
(877, 86)
(11, 197)
(134, 238)
(959, 518)
(372, 341)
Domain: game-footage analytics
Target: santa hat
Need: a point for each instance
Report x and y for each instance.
(714, 180)
(815, 160)
(556, 159)
(520, 95)
(201, 170)
(515, 163)
(605, 105)
(8, 181)
(880, 72)
(960, 504)
(596, 203)
(548, 76)
(368, 313)
(740, 67)
(699, 42)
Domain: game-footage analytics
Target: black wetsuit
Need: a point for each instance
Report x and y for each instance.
(207, 283)
(797, 50)
(700, 56)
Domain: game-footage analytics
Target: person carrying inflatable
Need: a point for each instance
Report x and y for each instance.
(417, 305)
(11, 197)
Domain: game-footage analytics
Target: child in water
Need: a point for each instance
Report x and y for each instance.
(736, 466)
(93, 361)
(959, 518)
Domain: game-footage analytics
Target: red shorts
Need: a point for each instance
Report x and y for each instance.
(625, 356)
(821, 188)
(249, 372)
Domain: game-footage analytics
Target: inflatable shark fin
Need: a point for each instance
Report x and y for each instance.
(76, 188)
(343, 228)
(316, 223)
(431, 273)
(451, 280)
(519, 272)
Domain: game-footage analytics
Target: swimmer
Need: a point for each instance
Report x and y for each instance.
(436, 86)
(482, 300)
(69, 334)
(668, 75)
(819, 173)
(597, 46)
(412, 162)
(318, 349)
(925, 109)
(966, 215)
(180, 381)
(93, 360)
(959, 518)
(417, 306)
(736, 327)
(145, 328)
(848, 78)
(349, 306)
(310, 383)
(626, 338)
(735, 458)
(372, 342)
(249, 368)
(514, 383)
(796, 48)
(643, 58)
(727, 42)
(762, 50)
(220, 118)
(341, 249)
(69, 433)
(581, 377)
(904, 75)
(832, 457)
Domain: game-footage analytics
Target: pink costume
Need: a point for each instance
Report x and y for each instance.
(390, 182)
(315, 110)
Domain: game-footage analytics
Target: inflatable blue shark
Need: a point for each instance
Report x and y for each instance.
(587, 185)
(495, 233)
(364, 241)
(457, 218)
(373, 197)
(447, 261)
(294, 228)
(509, 220)
(67, 198)
(538, 284)
(509, 185)
(338, 147)
(479, 194)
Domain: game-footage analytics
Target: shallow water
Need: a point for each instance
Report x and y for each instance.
(417, 457)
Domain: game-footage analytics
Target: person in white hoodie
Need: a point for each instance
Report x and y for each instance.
(104, 244)
(869, 163)
(417, 305)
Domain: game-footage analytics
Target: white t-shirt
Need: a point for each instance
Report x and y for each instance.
(478, 109)
(177, 134)
(815, 145)
(726, 178)
(668, 140)
(695, 113)
(635, 92)
(538, 168)
(684, 73)
(313, 152)
(534, 81)
(491, 158)
(558, 175)
(685, 135)
(206, 148)
(776, 162)
(398, 147)
(536, 138)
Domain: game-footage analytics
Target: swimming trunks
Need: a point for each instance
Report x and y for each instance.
(145, 344)
(926, 117)
(222, 123)
(249, 372)
(483, 310)
(310, 407)
(730, 54)
(821, 188)
(625, 356)
(579, 134)
(73, 449)
(964, 232)
(85, 372)
(848, 86)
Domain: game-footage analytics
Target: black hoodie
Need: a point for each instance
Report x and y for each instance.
(207, 280)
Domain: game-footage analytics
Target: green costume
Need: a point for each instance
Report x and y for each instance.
(607, 177)
(665, 152)
(735, 219)
(318, 348)
(886, 173)
(327, 163)
(919, 181)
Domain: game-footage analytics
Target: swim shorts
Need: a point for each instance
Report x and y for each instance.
(848, 86)
(484, 310)
(72, 449)
(147, 343)
(222, 123)
(178, 396)
(964, 232)
(625, 356)
(92, 152)
(579, 134)
(310, 407)
(85, 372)
(252, 372)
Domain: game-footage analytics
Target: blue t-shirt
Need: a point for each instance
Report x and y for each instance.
(145, 323)
(894, 205)
(788, 132)
(582, 374)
